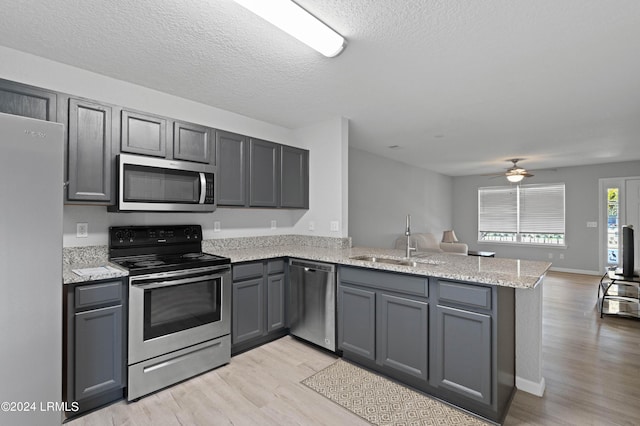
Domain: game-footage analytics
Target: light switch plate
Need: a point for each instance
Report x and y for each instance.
(334, 226)
(274, 224)
(592, 224)
(216, 226)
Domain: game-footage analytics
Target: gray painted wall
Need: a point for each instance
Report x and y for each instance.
(582, 206)
(383, 191)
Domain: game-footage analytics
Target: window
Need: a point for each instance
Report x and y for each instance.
(523, 214)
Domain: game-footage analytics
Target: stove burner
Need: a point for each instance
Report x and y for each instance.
(148, 263)
(192, 255)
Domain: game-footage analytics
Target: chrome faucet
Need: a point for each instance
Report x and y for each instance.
(407, 232)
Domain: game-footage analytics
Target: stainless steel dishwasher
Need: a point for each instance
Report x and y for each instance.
(312, 302)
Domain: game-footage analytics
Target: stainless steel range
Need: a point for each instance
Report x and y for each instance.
(179, 304)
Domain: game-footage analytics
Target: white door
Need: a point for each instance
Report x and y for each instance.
(632, 195)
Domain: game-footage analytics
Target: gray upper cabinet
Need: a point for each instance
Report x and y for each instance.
(143, 134)
(294, 177)
(89, 161)
(231, 153)
(192, 142)
(27, 101)
(264, 164)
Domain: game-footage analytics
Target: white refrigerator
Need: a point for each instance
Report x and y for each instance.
(31, 193)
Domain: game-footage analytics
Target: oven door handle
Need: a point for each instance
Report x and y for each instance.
(154, 283)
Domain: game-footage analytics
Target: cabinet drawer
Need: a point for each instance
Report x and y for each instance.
(275, 266)
(401, 283)
(247, 270)
(475, 296)
(98, 294)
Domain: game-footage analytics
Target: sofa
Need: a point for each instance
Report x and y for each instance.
(428, 243)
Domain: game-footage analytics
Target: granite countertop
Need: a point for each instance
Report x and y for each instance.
(95, 258)
(486, 270)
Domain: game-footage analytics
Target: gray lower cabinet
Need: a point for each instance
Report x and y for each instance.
(294, 177)
(264, 179)
(248, 310)
(403, 331)
(27, 101)
(258, 301)
(452, 339)
(356, 325)
(90, 152)
(275, 302)
(463, 352)
(94, 358)
(384, 320)
(231, 154)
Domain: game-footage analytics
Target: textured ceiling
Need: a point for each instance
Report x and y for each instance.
(459, 85)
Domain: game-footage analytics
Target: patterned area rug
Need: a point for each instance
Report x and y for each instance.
(381, 401)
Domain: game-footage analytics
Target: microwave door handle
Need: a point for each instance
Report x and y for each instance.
(203, 188)
(169, 283)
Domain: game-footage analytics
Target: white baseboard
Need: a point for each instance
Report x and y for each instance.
(576, 271)
(528, 386)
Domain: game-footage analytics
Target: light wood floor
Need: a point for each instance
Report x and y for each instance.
(591, 368)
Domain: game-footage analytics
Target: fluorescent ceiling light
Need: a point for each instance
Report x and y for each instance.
(299, 23)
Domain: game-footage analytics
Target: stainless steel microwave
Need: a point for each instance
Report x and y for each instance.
(157, 184)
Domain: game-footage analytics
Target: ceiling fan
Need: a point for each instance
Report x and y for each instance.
(514, 173)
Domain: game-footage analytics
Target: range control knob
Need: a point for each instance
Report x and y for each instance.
(130, 235)
(120, 235)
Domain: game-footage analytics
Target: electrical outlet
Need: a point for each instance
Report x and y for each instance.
(216, 226)
(550, 255)
(82, 230)
(334, 226)
(561, 256)
(312, 225)
(274, 224)
(592, 224)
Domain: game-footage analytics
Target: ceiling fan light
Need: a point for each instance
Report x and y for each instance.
(515, 178)
(298, 23)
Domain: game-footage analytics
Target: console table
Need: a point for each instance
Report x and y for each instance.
(618, 295)
(481, 253)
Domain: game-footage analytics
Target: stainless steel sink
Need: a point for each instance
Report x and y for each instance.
(375, 259)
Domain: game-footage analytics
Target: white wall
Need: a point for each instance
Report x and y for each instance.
(383, 191)
(581, 206)
(327, 142)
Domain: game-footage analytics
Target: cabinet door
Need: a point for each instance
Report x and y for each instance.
(89, 156)
(403, 334)
(27, 101)
(264, 180)
(463, 353)
(143, 134)
(248, 301)
(231, 151)
(98, 351)
(192, 143)
(294, 177)
(356, 321)
(275, 302)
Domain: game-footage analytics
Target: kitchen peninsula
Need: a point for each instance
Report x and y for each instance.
(461, 314)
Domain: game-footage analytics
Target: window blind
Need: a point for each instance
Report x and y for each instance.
(497, 209)
(542, 209)
(524, 209)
